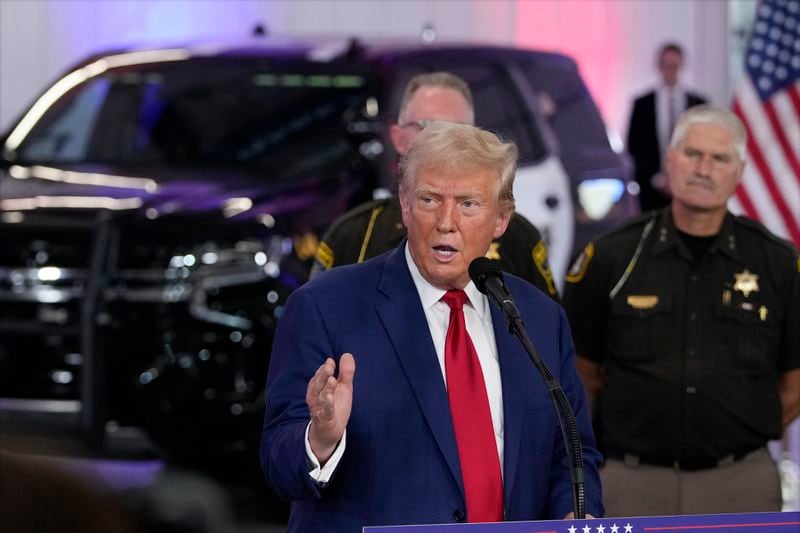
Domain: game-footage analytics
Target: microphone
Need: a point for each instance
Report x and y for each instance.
(488, 278)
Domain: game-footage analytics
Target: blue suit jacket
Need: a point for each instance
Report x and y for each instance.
(401, 463)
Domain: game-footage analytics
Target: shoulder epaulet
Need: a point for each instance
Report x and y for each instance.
(640, 226)
(521, 222)
(633, 224)
(360, 211)
(762, 230)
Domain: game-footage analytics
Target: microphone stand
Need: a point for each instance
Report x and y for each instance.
(566, 417)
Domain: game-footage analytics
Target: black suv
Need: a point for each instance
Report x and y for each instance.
(158, 206)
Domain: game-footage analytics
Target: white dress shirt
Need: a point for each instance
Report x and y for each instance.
(478, 320)
(663, 120)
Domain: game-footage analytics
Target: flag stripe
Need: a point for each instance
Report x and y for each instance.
(767, 191)
(794, 96)
(779, 132)
(768, 178)
(746, 202)
(754, 112)
(767, 101)
(755, 193)
(790, 117)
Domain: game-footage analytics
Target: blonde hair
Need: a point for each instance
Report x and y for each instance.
(447, 146)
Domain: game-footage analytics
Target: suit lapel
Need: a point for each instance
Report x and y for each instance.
(515, 375)
(404, 319)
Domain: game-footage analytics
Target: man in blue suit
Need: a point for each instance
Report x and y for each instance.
(391, 443)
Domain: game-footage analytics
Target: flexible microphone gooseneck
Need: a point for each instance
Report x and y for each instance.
(488, 277)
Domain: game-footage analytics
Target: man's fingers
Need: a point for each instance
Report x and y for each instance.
(319, 381)
(321, 393)
(347, 369)
(325, 399)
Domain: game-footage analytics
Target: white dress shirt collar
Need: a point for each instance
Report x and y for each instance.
(663, 122)
(430, 295)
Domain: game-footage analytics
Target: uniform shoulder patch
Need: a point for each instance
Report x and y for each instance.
(581, 263)
(305, 245)
(359, 215)
(373, 216)
(539, 255)
(760, 228)
(324, 255)
(494, 251)
(632, 223)
(782, 244)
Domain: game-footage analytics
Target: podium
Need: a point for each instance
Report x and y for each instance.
(788, 522)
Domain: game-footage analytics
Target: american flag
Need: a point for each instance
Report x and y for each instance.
(768, 103)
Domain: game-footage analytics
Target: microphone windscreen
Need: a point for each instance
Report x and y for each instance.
(480, 268)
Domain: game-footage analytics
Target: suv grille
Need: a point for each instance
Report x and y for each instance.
(140, 328)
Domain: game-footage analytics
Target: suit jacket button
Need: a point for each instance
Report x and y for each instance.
(459, 515)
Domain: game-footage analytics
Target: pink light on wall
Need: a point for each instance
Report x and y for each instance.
(586, 31)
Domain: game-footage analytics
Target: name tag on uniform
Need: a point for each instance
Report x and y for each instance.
(643, 301)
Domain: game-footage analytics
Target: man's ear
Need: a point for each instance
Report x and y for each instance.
(502, 223)
(399, 139)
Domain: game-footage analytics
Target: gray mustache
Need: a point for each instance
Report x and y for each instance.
(702, 180)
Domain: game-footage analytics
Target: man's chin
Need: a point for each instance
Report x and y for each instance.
(446, 277)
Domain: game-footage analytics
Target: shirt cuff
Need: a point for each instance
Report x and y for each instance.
(322, 474)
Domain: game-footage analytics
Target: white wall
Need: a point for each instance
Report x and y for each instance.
(613, 40)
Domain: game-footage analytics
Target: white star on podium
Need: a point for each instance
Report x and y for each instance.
(614, 528)
(601, 529)
(628, 528)
(587, 529)
(572, 529)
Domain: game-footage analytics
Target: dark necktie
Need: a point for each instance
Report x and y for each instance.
(472, 419)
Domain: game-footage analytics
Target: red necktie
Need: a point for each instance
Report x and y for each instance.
(472, 420)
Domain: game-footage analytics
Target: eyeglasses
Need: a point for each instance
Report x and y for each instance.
(419, 125)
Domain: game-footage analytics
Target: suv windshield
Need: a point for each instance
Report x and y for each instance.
(237, 114)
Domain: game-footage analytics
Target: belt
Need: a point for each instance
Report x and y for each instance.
(685, 463)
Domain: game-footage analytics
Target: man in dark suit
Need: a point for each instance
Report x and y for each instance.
(652, 120)
(445, 419)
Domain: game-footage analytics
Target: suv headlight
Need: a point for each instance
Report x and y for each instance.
(598, 196)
